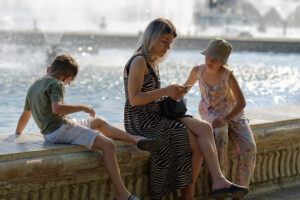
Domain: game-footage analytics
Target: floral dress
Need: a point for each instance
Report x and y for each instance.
(218, 100)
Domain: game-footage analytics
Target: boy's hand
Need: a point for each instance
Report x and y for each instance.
(218, 122)
(18, 133)
(89, 110)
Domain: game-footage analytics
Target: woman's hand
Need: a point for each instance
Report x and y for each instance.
(175, 91)
(219, 121)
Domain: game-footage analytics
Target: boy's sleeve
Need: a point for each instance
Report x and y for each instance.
(56, 93)
(27, 105)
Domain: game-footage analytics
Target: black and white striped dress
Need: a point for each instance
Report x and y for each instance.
(171, 165)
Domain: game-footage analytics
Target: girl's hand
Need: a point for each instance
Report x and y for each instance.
(176, 91)
(89, 109)
(218, 122)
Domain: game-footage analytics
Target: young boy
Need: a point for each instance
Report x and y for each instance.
(45, 102)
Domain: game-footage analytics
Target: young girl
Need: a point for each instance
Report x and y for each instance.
(222, 105)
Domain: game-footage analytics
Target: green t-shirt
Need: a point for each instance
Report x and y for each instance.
(39, 97)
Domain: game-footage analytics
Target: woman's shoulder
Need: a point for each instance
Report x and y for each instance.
(138, 59)
(137, 62)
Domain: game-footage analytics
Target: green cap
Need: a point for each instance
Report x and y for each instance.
(218, 48)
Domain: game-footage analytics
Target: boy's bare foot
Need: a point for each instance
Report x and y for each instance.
(146, 144)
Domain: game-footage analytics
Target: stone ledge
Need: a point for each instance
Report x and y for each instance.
(33, 169)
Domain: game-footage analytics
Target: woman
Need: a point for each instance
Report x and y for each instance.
(177, 163)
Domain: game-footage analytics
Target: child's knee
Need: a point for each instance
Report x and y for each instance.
(105, 144)
(98, 123)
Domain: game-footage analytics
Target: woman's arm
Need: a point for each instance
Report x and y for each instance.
(138, 69)
(239, 97)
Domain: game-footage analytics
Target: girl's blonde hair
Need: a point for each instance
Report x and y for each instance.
(152, 33)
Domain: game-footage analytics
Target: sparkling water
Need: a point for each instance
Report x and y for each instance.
(267, 79)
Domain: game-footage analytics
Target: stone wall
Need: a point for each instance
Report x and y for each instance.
(71, 40)
(33, 169)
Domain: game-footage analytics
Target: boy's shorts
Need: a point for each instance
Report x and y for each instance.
(74, 132)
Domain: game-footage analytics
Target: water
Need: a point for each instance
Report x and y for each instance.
(132, 16)
(267, 79)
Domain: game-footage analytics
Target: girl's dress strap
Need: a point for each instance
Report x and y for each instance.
(201, 81)
(226, 76)
(200, 71)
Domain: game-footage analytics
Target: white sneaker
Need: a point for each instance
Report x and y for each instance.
(132, 197)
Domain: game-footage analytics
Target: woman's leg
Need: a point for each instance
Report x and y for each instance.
(189, 191)
(205, 139)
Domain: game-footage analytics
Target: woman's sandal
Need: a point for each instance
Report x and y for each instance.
(234, 191)
(148, 144)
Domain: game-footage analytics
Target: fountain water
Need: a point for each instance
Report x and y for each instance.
(267, 79)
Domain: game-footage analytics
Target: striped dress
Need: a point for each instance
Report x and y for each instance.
(171, 165)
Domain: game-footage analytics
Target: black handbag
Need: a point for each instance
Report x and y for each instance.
(171, 108)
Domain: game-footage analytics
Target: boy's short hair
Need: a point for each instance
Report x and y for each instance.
(65, 64)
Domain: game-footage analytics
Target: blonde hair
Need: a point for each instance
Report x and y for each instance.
(152, 33)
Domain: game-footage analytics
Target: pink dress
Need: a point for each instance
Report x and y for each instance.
(218, 100)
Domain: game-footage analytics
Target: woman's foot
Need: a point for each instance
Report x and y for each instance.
(146, 144)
